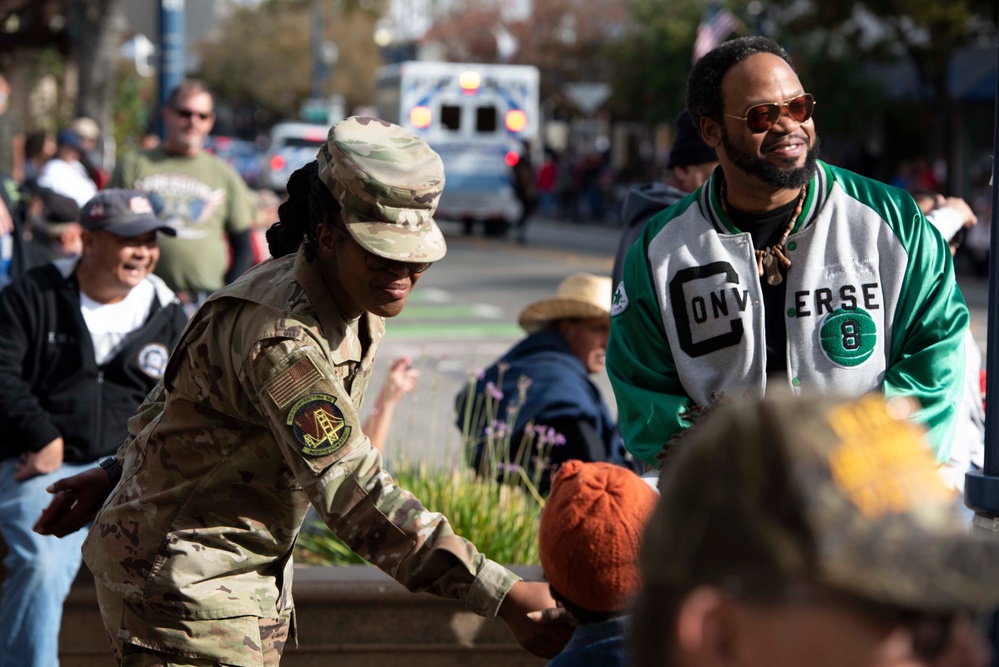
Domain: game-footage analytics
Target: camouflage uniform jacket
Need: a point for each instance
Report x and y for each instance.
(256, 418)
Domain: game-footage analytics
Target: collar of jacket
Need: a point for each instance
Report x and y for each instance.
(818, 192)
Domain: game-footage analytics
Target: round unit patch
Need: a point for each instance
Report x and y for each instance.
(848, 337)
(152, 360)
(620, 300)
(318, 425)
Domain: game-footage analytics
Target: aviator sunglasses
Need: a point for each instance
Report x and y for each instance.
(761, 117)
(188, 114)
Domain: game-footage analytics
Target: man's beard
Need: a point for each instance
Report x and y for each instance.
(767, 172)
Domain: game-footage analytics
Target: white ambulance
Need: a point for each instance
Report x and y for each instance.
(477, 117)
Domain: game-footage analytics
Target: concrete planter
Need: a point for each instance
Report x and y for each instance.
(347, 616)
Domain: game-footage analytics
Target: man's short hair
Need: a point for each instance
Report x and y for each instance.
(187, 88)
(704, 98)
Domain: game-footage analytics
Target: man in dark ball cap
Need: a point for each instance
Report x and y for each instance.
(82, 341)
(810, 531)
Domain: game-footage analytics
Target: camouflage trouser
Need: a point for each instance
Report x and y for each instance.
(196, 641)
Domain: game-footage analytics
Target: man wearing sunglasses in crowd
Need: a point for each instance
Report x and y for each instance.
(781, 270)
(826, 538)
(197, 194)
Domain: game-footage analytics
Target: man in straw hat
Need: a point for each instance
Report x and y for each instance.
(826, 538)
(538, 399)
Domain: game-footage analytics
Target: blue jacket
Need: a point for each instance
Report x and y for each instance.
(560, 394)
(596, 645)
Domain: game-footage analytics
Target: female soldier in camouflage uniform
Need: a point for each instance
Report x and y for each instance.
(257, 417)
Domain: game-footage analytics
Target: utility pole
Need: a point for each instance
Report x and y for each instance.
(320, 68)
(171, 70)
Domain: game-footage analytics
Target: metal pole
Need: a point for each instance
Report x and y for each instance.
(319, 69)
(171, 70)
(982, 486)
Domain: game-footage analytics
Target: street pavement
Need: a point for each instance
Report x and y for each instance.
(462, 316)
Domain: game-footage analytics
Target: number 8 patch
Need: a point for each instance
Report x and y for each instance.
(848, 337)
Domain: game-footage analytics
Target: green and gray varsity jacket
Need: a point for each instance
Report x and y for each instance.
(872, 303)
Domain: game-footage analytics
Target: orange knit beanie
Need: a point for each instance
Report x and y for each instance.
(590, 532)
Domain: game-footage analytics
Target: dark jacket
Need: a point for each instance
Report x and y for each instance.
(50, 383)
(640, 204)
(559, 395)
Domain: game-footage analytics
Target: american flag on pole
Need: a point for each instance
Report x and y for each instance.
(716, 25)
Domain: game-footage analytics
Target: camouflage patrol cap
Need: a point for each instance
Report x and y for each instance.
(841, 493)
(388, 182)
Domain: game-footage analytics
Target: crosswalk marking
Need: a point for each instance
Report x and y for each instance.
(431, 313)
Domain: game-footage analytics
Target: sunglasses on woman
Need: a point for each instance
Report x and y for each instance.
(761, 117)
(377, 263)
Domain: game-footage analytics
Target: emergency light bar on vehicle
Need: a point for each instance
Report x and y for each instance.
(478, 117)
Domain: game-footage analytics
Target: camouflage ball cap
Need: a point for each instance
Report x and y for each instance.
(388, 182)
(842, 493)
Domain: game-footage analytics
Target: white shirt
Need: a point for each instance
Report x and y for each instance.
(111, 323)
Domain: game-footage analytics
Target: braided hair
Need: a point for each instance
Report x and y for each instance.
(309, 205)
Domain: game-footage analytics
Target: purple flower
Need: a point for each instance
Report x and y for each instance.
(494, 392)
(497, 429)
(508, 467)
(546, 435)
(479, 373)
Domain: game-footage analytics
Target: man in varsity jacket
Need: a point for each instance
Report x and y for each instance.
(780, 270)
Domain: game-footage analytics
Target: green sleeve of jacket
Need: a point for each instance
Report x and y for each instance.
(650, 398)
(927, 355)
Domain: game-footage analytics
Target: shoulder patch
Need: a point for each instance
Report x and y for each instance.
(152, 360)
(293, 381)
(620, 301)
(318, 425)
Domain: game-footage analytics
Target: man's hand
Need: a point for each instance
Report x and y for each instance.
(962, 208)
(77, 500)
(47, 459)
(543, 639)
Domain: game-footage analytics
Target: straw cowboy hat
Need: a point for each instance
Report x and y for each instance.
(581, 295)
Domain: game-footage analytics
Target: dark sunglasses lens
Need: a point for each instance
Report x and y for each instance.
(761, 118)
(376, 263)
(958, 238)
(188, 114)
(800, 108)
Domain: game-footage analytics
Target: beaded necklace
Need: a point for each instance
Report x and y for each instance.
(768, 260)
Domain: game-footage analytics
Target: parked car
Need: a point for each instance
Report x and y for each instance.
(240, 153)
(292, 145)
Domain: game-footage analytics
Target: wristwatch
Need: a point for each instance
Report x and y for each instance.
(111, 466)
